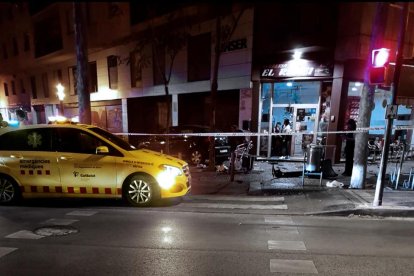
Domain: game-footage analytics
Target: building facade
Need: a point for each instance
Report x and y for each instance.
(259, 81)
(321, 89)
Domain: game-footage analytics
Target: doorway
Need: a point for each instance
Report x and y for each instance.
(297, 102)
(302, 119)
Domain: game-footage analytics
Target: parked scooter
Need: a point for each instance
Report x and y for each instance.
(240, 159)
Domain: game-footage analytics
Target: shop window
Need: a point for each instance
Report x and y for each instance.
(5, 55)
(13, 87)
(158, 65)
(22, 88)
(58, 76)
(15, 47)
(113, 71)
(135, 63)
(296, 93)
(45, 85)
(69, 22)
(199, 57)
(92, 78)
(26, 42)
(33, 87)
(72, 80)
(49, 41)
(6, 89)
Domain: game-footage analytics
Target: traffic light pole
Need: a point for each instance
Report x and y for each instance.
(379, 189)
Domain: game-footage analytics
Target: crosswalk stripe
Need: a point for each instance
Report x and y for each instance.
(82, 213)
(6, 250)
(286, 245)
(60, 221)
(283, 230)
(24, 234)
(235, 206)
(292, 266)
(236, 198)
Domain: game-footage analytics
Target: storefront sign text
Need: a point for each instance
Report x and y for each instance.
(296, 68)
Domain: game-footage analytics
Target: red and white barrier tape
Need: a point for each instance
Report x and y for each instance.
(243, 134)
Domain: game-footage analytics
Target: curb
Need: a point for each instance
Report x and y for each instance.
(380, 212)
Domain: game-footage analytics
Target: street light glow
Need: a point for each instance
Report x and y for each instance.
(61, 95)
(60, 91)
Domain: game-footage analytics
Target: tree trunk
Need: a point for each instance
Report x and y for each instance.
(82, 63)
(214, 87)
(168, 101)
(367, 101)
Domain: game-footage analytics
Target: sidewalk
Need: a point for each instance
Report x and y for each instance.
(312, 198)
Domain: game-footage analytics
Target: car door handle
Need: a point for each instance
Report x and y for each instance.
(65, 157)
(18, 156)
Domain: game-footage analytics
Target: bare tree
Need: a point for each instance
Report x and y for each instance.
(166, 42)
(225, 26)
(82, 63)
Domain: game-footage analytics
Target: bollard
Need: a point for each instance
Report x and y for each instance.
(233, 157)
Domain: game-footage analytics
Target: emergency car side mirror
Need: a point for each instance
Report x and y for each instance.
(102, 149)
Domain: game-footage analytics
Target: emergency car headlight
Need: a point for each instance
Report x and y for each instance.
(166, 178)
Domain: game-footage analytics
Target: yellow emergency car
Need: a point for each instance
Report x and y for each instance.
(77, 160)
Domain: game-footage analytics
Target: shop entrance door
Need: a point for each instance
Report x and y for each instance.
(302, 119)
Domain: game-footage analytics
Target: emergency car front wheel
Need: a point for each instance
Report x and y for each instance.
(9, 190)
(140, 190)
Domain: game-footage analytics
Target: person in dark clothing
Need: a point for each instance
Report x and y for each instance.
(349, 147)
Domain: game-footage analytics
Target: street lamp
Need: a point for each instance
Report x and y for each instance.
(61, 95)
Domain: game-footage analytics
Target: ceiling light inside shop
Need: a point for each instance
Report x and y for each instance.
(297, 55)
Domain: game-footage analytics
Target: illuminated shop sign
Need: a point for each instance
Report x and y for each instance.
(296, 68)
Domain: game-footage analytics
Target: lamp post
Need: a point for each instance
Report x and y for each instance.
(61, 95)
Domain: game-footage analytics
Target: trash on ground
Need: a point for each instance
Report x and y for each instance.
(334, 184)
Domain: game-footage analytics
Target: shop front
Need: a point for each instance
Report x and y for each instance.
(296, 96)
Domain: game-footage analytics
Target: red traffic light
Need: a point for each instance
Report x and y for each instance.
(380, 57)
(378, 70)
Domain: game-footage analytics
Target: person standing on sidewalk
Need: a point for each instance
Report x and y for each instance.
(349, 147)
(287, 129)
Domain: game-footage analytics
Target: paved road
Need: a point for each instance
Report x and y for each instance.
(201, 235)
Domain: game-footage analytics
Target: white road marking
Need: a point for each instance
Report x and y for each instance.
(292, 266)
(82, 213)
(237, 198)
(60, 221)
(6, 250)
(235, 206)
(279, 220)
(283, 230)
(24, 234)
(286, 245)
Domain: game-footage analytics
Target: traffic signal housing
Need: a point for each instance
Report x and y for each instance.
(379, 63)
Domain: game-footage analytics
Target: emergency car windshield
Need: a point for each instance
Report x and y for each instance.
(113, 138)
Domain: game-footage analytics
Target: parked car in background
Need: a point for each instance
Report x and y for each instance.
(191, 148)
